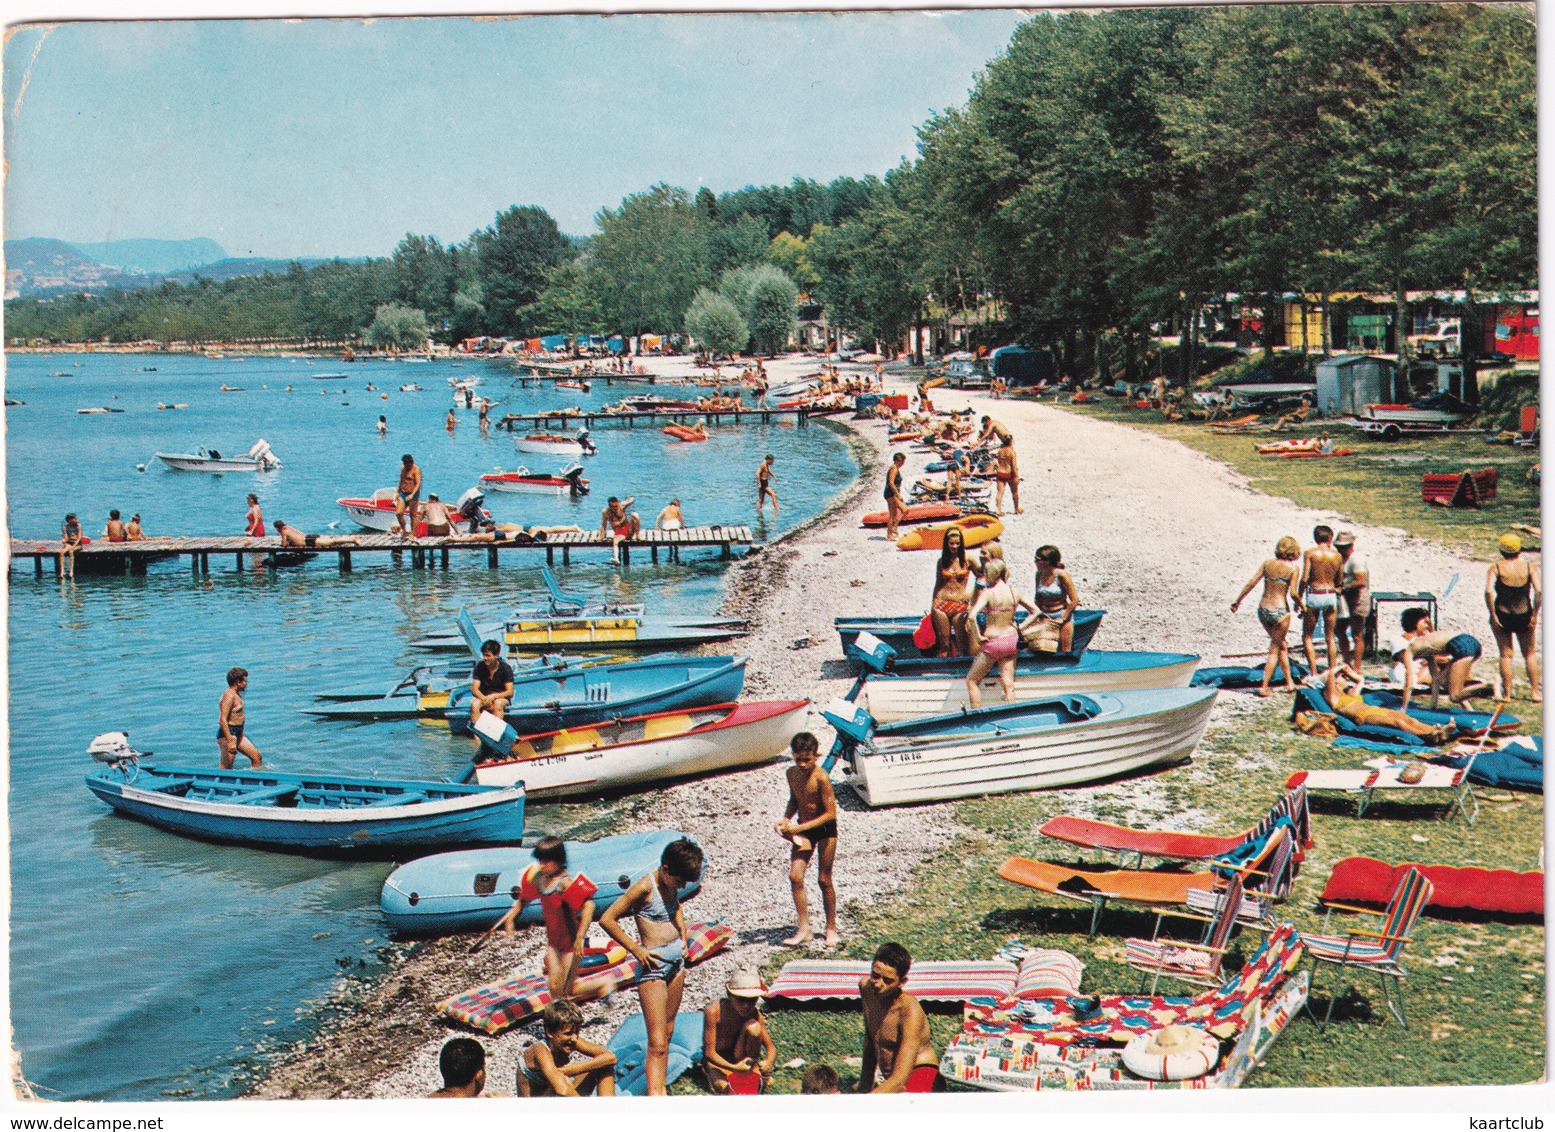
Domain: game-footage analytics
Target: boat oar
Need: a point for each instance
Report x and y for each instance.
(480, 944)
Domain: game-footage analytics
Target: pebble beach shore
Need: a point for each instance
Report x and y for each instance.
(1159, 536)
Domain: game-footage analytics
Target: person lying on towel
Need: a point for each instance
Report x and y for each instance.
(896, 1031)
(1344, 688)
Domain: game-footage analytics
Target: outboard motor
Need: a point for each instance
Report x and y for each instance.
(587, 444)
(261, 452)
(573, 473)
(469, 510)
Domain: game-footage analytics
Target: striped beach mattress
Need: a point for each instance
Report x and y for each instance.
(496, 1006)
(1039, 973)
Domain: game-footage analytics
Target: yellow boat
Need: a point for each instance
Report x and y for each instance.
(621, 632)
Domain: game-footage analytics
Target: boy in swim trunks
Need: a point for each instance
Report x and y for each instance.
(407, 495)
(1317, 594)
(229, 723)
(546, 1068)
(896, 1032)
(567, 907)
(764, 478)
(810, 826)
(660, 947)
(738, 1052)
(462, 1063)
(617, 523)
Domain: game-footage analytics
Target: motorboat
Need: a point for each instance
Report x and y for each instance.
(1439, 410)
(259, 458)
(637, 752)
(376, 512)
(568, 481)
(897, 632)
(1043, 743)
(553, 444)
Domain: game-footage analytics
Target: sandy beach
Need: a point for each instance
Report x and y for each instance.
(1159, 536)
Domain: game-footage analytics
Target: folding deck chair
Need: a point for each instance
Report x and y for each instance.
(563, 604)
(1197, 963)
(1381, 951)
(1367, 784)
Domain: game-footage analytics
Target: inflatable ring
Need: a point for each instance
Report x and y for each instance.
(1141, 1060)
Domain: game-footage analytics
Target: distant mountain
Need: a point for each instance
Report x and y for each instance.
(153, 257)
(42, 266)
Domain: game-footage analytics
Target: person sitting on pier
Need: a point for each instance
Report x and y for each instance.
(438, 516)
(114, 531)
(133, 533)
(462, 1063)
(616, 523)
(70, 541)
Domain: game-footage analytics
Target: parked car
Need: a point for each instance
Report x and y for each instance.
(967, 375)
(1439, 339)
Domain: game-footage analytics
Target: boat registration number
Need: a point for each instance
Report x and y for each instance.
(900, 757)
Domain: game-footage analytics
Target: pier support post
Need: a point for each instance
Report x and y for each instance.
(445, 558)
(626, 554)
(345, 561)
(654, 551)
(491, 556)
(238, 559)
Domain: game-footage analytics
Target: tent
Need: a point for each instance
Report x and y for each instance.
(1019, 365)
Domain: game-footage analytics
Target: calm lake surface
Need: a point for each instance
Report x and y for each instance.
(145, 965)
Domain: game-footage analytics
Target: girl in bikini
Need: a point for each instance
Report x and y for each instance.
(1512, 593)
(1000, 639)
(1055, 594)
(951, 593)
(1278, 574)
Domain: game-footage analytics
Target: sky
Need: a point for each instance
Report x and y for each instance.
(337, 137)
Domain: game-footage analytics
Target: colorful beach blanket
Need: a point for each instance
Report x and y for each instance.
(928, 980)
(494, 1007)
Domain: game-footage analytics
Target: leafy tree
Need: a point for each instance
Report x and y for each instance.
(716, 323)
(738, 244)
(649, 259)
(792, 254)
(513, 256)
(707, 204)
(567, 304)
(768, 300)
(399, 327)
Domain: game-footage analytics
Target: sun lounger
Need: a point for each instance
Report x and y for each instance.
(1016, 1046)
(496, 1006)
(929, 980)
(1267, 876)
(1172, 845)
(1366, 880)
(1367, 784)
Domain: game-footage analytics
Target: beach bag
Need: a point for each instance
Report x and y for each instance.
(924, 635)
(1041, 634)
(1316, 724)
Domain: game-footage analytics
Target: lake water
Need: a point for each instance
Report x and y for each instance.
(144, 965)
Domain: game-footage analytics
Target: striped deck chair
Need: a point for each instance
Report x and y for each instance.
(1381, 951)
(1263, 889)
(1197, 963)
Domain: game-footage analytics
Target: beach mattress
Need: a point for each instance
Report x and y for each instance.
(1366, 880)
(494, 1007)
(1519, 765)
(929, 980)
(630, 1045)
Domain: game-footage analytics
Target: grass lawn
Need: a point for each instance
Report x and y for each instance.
(1379, 485)
(1476, 991)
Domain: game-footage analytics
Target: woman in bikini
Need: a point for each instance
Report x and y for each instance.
(1055, 595)
(952, 591)
(660, 947)
(893, 495)
(255, 527)
(1000, 640)
(1513, 595)
(1278, 575)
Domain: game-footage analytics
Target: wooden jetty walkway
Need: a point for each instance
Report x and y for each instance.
(100, 558)
(591, 418)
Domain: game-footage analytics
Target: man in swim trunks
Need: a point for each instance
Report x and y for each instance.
(407, 495)
(809, 824)
(436, 513)
(491, 683)
(1354, 601)
(133, 533)
(896, 1031)
(616, 523)
(764, 478)
(229, 722)
(1317, 593)
(1006, 470)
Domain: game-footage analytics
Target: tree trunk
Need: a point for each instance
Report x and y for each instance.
(1328, 325)
(1401, 328)
(1195, 314)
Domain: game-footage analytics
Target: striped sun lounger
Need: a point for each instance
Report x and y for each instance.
(929, 980)
(496, 1006)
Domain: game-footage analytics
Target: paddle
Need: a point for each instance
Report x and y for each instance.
(479, 945)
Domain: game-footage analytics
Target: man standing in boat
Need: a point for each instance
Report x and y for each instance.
(230, 721)
(407, 495)
(896, 1031)
(491, 684)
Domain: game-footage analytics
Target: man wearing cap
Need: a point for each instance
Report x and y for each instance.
(737, 1049)
(1354, 601)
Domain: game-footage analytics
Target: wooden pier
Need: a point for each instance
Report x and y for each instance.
(108, 558)
(590, 418)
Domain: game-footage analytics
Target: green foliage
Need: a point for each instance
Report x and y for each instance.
(716, 323)
(399, 327)
(649, 259)
(1501, 405)
(512, 257)
(800, 206)
(771, 308)
(792, 254)
(867, 283)
(567, 304)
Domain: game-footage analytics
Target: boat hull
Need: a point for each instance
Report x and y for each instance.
(897, 631)
(573, 699)
(528, 485)
(892, 698)
(204, 464)
(450, 816)
(472, 889)
(1134, 731)
(536, 446)
(1411, 415)
(748, 734)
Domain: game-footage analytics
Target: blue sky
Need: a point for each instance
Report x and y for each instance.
(337, 137)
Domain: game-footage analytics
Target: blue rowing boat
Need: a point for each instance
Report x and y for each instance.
(897, 631)
(307, 813)
(424, 692)
(471, 890)
(549, 701)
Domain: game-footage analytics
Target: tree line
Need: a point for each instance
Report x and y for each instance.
(1109, 174)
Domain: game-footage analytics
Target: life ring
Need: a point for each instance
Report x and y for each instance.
(1190, 1057)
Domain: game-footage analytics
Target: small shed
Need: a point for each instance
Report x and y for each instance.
(1348, 383)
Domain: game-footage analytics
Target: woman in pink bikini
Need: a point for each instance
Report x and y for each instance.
(1000, 639)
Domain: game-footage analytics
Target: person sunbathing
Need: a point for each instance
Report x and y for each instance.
(1343, 689)
(292, 537)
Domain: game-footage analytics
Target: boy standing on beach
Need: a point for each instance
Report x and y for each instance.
(1317, 595)
(567, 907)
(810, 825)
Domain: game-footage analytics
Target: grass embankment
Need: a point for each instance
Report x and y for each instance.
(1476, 992)
(1379, 485)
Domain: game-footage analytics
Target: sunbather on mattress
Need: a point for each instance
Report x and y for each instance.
(1344, 687)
